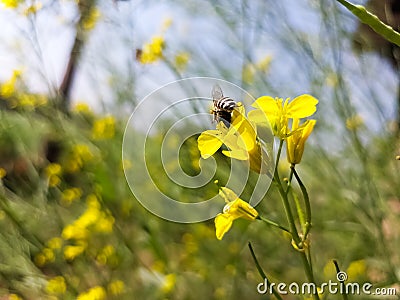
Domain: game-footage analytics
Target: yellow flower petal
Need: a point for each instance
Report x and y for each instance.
(240, 209)
(296, 141)
(209, 142)
(302, 106)
(223, 223)
(267, 104)
(238, 154)
(258, 116)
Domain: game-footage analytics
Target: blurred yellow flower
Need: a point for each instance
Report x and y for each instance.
(234, 209)
(90, 19)
(70, 195)
(105, 223)
(3, 173)
(95, 293)
(248, 72)
(11, 3)
(166, 24)
(74, 231)
(56, 285)
(277, 112)
(296, 141)
(263, 64)
(83, 108)
(80, 154)
(8, 88)
(116, 287)
(48, 254)
(103, 128)
(153, 51)
(354, 122)
(33, 8)
(53, 171)
(55, 243)
(356, 270)
(105, 253)
(72, 251)
(181, 60)
(14, 297)
(40, 260)
(168, 283)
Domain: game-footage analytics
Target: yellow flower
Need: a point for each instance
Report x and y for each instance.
(263, 64)
(56, 285)
(104, 128)
(248, 72)
(14, 297)
(71, 252)
(152, 51)
(82, 108)
(90, 19)
(357, 269)
(80, 154)
(168, 283)
(11, 3)
(166, 24)
(104, 254)
(234, 209)
(181, 60)
(74, 231)
(95, 293)
(53, 169)
(104, 223)
(53, 172)
(354, 122)
(8, 88)
(240, 138)
(277, 112)
(70, 195)
(116, 287)
(297, 139)
(3, 173)
(33, 8)
(55, 243)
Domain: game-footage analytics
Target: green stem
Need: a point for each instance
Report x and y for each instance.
(306, 201)
(344, 295)
(269, 222)
(288, 211)
(261, 272)
(289, 181)
(292, 225)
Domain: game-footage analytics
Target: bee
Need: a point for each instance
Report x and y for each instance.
(223, 106)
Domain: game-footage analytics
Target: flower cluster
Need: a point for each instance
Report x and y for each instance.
(277, 114)
(243, 143)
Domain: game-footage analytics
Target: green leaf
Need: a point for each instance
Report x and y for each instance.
(372, 21)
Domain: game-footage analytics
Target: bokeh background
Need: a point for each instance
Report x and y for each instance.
(71, 74)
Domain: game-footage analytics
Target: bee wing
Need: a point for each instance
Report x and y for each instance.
(216, 92)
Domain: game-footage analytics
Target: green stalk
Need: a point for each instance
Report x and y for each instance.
(292, 225)
(261, 272)
(272, 223)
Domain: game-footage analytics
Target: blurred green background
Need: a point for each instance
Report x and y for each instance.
(73, 71)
